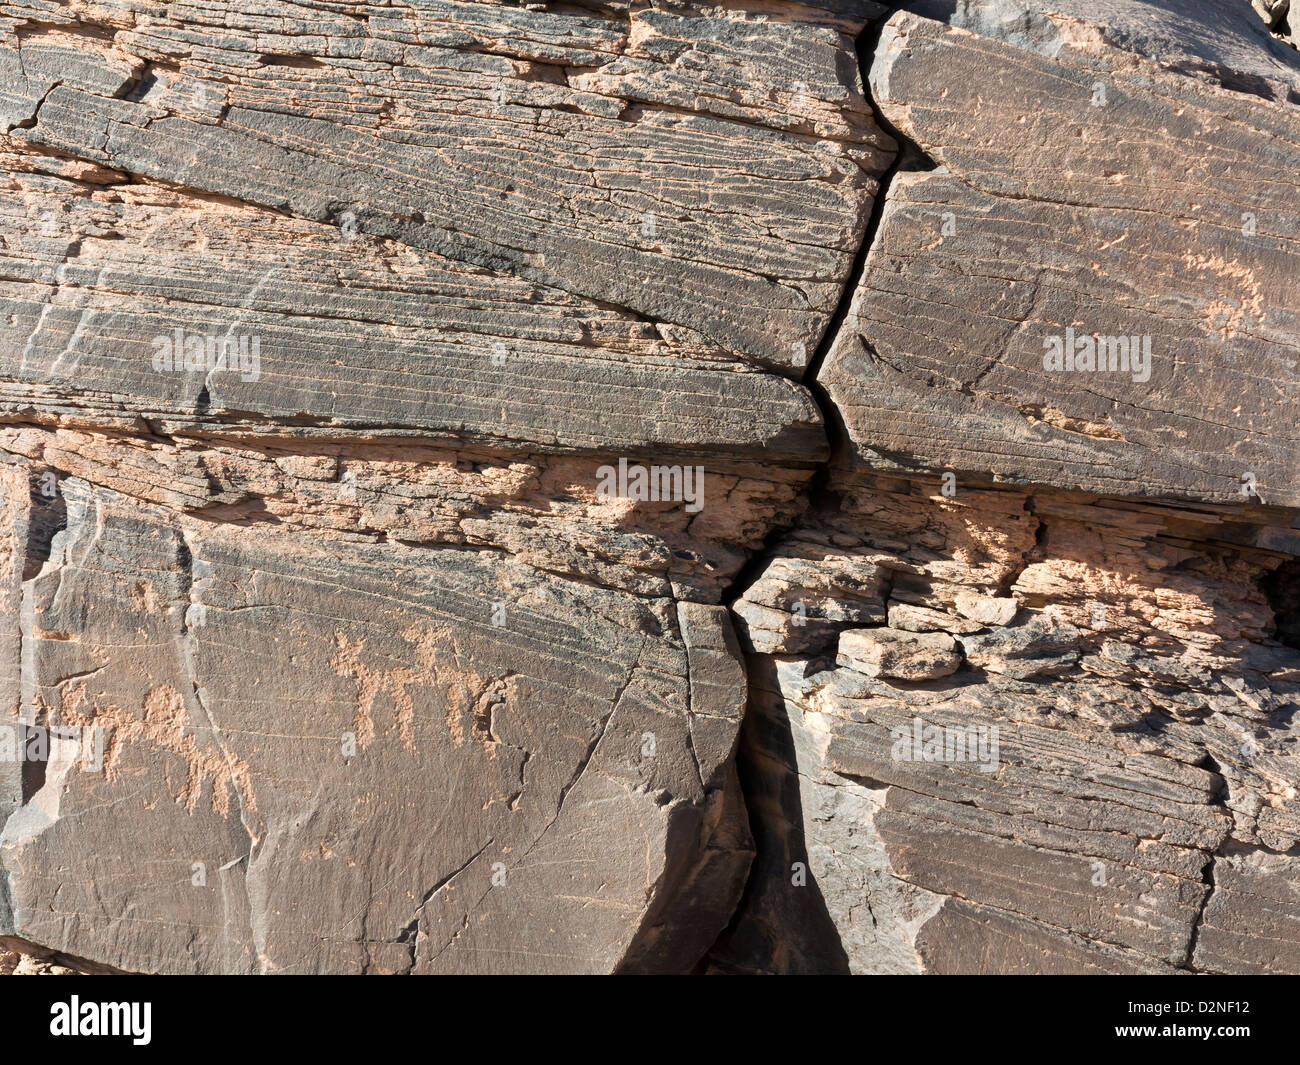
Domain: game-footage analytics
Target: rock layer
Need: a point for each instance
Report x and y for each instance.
(609, 487)
(333, 339)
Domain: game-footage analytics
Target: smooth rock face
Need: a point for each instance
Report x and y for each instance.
(282, 720)
(1216, 39)
(777, 487)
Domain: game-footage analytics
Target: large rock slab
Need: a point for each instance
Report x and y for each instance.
(485, 488)
(329, 337)
(579, 151)
(1250, 923)
(1222, 40)
(1097, 290)
(357, 759)
(121, 304)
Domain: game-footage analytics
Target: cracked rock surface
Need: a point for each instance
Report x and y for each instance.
(611, 487)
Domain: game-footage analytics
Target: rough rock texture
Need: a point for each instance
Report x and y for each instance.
(1277, 16)
(385, 682)
(17, 964)
(1107, 783)
(1040, 221)
(612, 487)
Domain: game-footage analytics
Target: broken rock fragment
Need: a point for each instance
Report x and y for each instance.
(886, 652)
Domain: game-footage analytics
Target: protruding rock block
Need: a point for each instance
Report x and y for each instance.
(1097, 290)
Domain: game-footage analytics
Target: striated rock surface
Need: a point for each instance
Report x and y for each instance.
(1106, 783)
(611, 487)
(333, 339)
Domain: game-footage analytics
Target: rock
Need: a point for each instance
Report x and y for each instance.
(1216, 40)
(1038, 647)
(901, 655)
(549, 703)
(1088, 729)
(986, 609)
(382, 384)
(799, 604)
(1275, 15)
(1249, 923)
(1181, 258)
(911, 618)
(615, 207)
(15, 963)
(606, 488)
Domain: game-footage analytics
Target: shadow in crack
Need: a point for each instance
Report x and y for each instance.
(780, 926)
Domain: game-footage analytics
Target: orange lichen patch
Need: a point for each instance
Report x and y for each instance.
(165, 723)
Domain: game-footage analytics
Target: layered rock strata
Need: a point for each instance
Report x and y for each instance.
(766, 487)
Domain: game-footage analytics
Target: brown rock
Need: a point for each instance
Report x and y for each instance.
(901, 655)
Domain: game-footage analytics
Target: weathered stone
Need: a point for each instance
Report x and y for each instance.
(986, 609)
(485, 488)
(1038, 647)
(1044, 231)
(911, 618)
(1059, 815)
(903, 655)
(487, 151)
(801, 600)
(383, 670)
(1216, 40)
(1250, 923)
(962, 939)
(17, 963)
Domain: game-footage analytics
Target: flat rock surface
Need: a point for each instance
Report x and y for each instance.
(903, 655)
(1046, 229)
(345, 799)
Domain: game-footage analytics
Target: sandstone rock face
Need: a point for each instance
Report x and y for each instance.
(602, 487)
(889, 652)
(1110, 773)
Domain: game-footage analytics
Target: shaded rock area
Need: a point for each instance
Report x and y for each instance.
(765, 487)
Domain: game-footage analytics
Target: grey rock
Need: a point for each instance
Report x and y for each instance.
(986, 609)
(486, 488)
(911, 618)
(1217, 38)
(370, 671)
(1183, 249)
(1036, 648)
